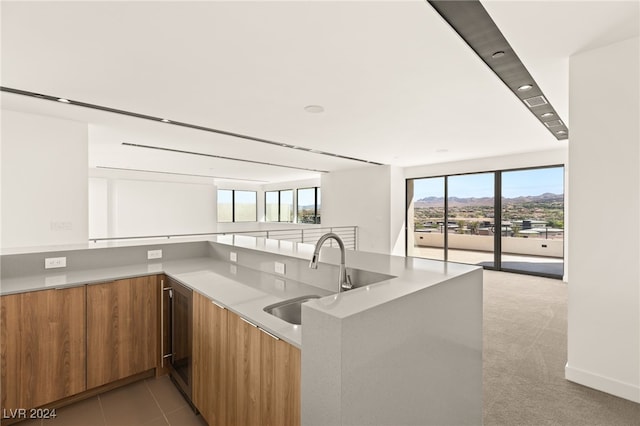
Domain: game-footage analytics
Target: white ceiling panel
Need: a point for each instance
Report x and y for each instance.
(398, 86)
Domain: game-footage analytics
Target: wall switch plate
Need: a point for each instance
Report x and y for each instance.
(280, 268)
(55, 262)
(154, 254)
(233, 256)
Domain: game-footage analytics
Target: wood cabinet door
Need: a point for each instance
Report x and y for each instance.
(42, 342)
(243, 372)
(122, 329)
(279, 382)
(209, 360)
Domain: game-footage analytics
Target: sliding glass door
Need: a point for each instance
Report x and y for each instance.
(471, 200)
(510, 220)
(533, 221)
(425, 217)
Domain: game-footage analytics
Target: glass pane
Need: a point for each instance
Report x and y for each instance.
(245, 205)
(471, 224)
(426, 218)
(225, 212)
(271, 206)
(307, 205)
(533, 221)
(286, 206)
(318, 206)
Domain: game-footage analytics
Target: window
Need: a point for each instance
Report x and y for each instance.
(237, 206)
(225, 205)
(278, 206)
(245, 206)
(271, 203)
(286, 206)
(510, 220)
(309, 205)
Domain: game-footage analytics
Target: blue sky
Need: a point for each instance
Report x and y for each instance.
(514, 184)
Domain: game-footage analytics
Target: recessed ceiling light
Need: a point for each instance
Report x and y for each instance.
(164, 120)
(442, 150)
(63, 100)
(498, 54)
(547, 114)
(314, 109)
(561, 132)
(525, 87)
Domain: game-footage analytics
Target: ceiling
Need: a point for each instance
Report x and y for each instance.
(398, 86)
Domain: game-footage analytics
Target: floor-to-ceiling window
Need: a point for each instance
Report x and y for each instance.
(532, 235)
(508, 219)
(471, 204)
(427, 220)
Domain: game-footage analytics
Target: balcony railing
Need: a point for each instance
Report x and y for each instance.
(310, 235)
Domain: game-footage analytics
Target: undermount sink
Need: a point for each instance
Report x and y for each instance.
(289, 310)
(362, 278)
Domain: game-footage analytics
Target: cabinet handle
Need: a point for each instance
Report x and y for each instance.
(249, 322)
(268, 334)
(219, 306)
(164, 356)
(173, 322)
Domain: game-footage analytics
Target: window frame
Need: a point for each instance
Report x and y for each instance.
(233, 206)
(279, 204)
(316, 219)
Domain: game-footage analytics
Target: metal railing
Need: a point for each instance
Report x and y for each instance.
(310, 235)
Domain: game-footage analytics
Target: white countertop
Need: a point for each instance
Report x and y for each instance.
(246, 291)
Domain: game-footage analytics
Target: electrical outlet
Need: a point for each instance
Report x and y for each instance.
(55, 262)
(154, 254)
(280, 268)
(233, 256)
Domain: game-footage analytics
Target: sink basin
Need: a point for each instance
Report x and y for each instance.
(362, 278)
(289, 310)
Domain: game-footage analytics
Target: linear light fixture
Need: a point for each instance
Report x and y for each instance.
(472, 22)
(222, 157)
(182, 124)
(179, 174)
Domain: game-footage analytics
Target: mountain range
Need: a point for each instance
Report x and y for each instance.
(488, 201)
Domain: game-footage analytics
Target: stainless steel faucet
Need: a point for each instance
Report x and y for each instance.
(344, 281)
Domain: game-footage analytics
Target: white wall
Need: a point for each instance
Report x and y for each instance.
(127, 204)
(604, 284)
(44, 180)
(365, 197)
(514, 161)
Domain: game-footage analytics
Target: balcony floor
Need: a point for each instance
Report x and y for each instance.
(512, 262)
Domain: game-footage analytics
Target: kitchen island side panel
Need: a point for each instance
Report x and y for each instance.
(412, 360)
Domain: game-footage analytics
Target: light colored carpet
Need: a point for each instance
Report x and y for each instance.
(525, 351)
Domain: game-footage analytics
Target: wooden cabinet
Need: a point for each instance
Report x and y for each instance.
(279, 382)
(266, 373)
(209, 359)
(243, 372)
(42, 344)
(122, 329)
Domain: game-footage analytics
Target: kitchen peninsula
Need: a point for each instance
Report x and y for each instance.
(406, 349)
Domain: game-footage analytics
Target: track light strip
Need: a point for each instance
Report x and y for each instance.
(179, 123)
(179, 174)
(474, 25)
(222, 157)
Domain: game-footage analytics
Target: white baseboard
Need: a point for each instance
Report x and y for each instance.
(604, 384)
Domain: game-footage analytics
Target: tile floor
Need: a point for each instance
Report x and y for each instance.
(151, 402)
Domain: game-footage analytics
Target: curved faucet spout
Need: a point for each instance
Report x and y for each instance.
(344, 282)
